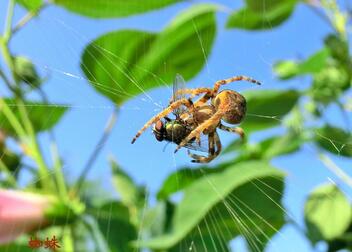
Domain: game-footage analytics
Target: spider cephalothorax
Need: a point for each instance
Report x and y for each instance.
(201, 117)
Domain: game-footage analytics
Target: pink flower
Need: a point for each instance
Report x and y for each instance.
(21, 212)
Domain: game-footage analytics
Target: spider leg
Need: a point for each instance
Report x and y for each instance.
(195, 134)
(219, 83)
(193, 91)
(213, 139)
(186, 102)
(236, 130)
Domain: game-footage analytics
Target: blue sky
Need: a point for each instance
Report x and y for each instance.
(55, 41)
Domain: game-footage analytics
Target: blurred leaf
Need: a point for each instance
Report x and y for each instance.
(112, 9)
(126, 63)
(265, 108)
(263, 5)
(31, 5)
(315, 63)
(113, 222)
(268, 148)
(15, 247)
(327, 213)
(25, 71)
(43, 116)
(124, 184)
(264, 18)
(339, 48)
(157, 220)
(334, 140)
(248, 192)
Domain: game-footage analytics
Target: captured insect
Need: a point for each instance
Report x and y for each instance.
(200, 118)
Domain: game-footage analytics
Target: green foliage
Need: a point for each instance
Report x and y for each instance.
(114, 224)
(259, 16)
(334, 140)
(123, 64)
(314, 64)
(43, 116)
(25, 71)
(31, 5)
(112, 9)
(242, 185)
(327, 213)
(265, 108)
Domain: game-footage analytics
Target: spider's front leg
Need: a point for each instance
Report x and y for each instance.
(195, 134)
(186, 102)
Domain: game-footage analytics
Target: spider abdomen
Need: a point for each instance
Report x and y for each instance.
(234, 105)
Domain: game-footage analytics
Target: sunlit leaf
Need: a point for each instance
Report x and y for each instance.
(334, 140)
(327, 213)
(315, 63)
(112, 9)
(43, 116)
(184, 177)
(250, 19)
(31, 5)
(265, 108)
(126, 63)
(247, 194)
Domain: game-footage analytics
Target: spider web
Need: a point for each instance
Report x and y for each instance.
(88, 112)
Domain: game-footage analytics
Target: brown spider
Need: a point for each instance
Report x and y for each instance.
(201, 117)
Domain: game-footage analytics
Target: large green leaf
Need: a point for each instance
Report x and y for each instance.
(42, 115)
(327, 213)
(126, 63)
(184, 177)
(112, 8)
(115, 226)
(314, 64)
(334, 140)
(31, 5)
(244, 199)
(262, 18)
(265, 108)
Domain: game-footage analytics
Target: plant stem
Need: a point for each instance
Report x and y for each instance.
(99, 146)
(28, 127)
(8, 173)
(8, 22)
(28, 17)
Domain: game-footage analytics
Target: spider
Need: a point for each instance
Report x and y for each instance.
(202, 117)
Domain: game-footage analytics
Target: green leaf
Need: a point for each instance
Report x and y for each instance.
(334, 140)
(244, 195)
(329, 84)
(25, 71)
(31, 5)
(15, 247)
(314, 64)
(327, 213)
(268, 148)
(124, 184)
(126, 63)
(263, 5)
(43, 116)
(113, 222)
(112, 9)
(339, 48)
(250, 19)
(184, 177)
(265, 108)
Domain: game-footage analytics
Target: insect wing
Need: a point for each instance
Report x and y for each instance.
(202, 147)
(178, 86)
